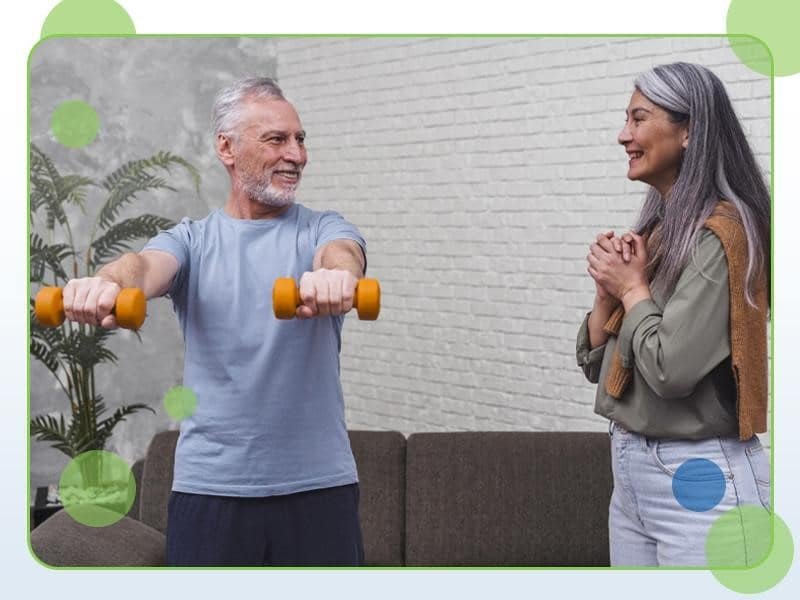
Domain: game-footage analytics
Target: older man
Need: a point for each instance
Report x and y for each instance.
(264, 474)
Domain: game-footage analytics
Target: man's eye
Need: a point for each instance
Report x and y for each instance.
(301, 139)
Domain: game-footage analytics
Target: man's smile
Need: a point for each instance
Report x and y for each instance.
(289, 176)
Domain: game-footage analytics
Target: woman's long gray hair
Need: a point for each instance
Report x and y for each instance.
(717, 164)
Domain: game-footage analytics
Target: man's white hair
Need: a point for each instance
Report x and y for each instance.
(226, 113)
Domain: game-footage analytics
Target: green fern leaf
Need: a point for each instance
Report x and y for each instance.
(106, 426)
(41, 165)
(47, 256)
(118, 238)
(86, 349)
(72, 189)
(47, 197)
(53, 337)
(49, 429)
(47, 357)
(46, 182)
(138, 176)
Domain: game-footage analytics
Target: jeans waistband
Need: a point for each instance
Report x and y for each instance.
(613, 426)
(733, 441)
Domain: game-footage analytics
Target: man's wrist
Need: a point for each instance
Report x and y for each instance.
(105, 275)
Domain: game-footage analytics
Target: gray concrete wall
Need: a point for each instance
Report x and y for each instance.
(150, 95)
(478, 169)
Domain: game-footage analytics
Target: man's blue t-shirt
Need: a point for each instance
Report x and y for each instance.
(270, 412)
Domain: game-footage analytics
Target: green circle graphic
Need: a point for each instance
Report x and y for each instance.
(180, 402)
(87, 17)
(775, 23)
(74, 123)
(97, 488)
(741, 553)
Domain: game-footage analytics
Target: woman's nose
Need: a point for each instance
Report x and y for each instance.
(624, 135)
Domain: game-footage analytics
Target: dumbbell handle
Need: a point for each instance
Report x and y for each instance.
(129, 307)
(366, 300)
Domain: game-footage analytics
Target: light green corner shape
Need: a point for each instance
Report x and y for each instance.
(87, 17)
(768, 549)
(774, 23)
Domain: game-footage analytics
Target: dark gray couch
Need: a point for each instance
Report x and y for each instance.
(448, 499)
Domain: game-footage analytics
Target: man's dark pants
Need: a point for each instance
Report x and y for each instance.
(313, 528)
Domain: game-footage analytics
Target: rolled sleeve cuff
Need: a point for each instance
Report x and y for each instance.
(585, 354)
(633, 318)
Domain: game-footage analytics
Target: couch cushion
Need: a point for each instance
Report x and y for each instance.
(507, 498)
(381, 460)
(157, 479)
(136, 469)
(63, 542)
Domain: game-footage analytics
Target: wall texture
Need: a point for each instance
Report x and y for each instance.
(479, 169)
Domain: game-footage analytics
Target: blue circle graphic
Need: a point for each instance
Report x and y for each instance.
(698, 484)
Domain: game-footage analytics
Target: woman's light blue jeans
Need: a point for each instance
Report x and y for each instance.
(647, 524)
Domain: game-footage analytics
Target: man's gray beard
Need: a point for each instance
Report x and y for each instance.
(268, 194)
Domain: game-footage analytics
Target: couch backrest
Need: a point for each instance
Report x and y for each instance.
(136, 469)
(381, 460)
(157, 480)
(464, 498)
(507, 498)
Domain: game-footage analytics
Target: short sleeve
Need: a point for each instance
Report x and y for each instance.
(176, 241)
(333, 226)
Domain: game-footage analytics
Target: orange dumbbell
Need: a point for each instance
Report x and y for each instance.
(286, 298)
(129, 308)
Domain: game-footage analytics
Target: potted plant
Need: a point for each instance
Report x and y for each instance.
(72, 351)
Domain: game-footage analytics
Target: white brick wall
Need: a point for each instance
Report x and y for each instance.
(479, 169)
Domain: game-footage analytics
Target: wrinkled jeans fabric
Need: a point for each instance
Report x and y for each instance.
(647, 525)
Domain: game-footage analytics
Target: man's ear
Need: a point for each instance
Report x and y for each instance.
(225, 149)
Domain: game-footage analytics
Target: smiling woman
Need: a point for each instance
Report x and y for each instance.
(655, 140)
(677, 334)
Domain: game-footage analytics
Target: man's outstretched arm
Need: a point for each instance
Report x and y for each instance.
(330, 287)
(90, 300)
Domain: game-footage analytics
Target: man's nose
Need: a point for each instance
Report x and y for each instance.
(293, 152)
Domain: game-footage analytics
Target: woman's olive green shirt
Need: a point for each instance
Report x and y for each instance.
(682, 383)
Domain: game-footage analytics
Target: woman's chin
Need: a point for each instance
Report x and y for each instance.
(636, 175)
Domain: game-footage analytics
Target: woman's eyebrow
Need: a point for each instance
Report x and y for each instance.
(637, 109)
